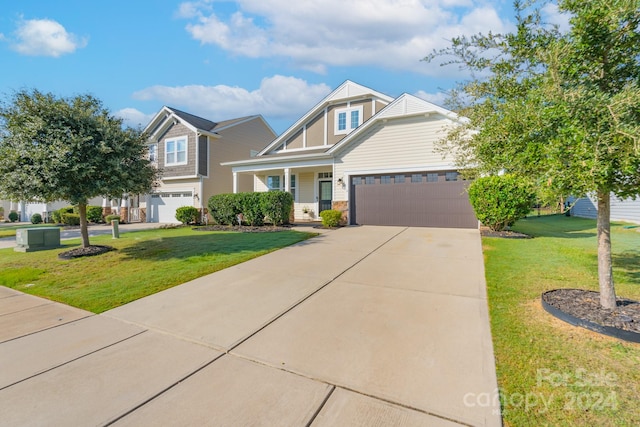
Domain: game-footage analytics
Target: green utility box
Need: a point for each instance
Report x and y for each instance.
(37, 239)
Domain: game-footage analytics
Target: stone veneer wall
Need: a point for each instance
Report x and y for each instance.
(124, 215)
(343, 206)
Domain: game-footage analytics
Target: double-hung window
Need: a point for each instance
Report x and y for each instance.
(347, 119)
(273, 182)
(175, 151)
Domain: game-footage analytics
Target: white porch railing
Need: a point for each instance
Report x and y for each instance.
(134, 214)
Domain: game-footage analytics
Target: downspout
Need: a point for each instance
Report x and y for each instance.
(204, 217)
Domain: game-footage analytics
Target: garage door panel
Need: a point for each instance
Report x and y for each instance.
(163, 205)
(420, 204)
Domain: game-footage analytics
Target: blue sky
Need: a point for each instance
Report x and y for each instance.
(225, 59)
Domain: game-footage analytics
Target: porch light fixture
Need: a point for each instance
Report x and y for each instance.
(340, 181)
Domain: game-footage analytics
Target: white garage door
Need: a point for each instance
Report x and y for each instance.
(163, 205)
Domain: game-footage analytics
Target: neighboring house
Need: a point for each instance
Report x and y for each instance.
(369, 155)
(26, 210)
(621, 209)
(189, 151)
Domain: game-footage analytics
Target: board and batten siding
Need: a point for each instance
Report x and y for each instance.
(621, 210)
(399, 144)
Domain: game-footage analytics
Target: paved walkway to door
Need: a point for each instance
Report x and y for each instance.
(358, 326)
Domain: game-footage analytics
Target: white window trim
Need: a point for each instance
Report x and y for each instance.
(348, 111)
(154, 161)
(281, 186)
(186, 150)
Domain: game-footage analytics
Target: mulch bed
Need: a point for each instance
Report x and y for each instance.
(585, 305)
(505, 234)
(92, 250)
(244, 228)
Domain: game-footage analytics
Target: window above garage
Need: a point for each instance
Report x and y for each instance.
(175, 151)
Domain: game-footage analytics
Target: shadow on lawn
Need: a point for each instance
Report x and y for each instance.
(206, 244)
(559, 226)
(628, 263)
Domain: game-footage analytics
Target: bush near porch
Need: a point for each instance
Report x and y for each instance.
(255, 208)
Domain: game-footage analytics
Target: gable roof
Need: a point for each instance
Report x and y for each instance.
(195, 121)
(346, 91)
(405, 105)
(168, 115)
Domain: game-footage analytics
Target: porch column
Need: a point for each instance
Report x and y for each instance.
(124, 210)
(106, 207)
(287, 180)
(235, 182)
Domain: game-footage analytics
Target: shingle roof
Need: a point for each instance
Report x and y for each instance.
(195, 121)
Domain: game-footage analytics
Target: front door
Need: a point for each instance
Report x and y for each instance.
(326, 189)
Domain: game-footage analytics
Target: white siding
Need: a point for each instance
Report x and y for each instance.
(306, 196)
(621, 210)
(397, 145)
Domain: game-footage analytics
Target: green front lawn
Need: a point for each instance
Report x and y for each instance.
(549, 372)
(145, 262)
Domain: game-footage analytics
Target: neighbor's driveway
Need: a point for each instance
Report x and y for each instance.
(359, 326)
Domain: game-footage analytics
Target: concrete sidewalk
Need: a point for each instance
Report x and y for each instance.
(358, 326)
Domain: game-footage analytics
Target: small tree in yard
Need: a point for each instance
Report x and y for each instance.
(559, 107)
(68, 149)
(499, 201)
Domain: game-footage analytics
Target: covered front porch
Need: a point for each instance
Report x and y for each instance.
(312, 187)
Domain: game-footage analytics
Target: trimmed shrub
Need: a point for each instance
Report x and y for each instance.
(13, 216)
(187, 214)
(499, 201)
(94, 214)
(56, 216)
(70, 219)
(276, 206)
(254, 207)
(110, 218)
(223, 208)
(331, 218)
(251, 207)
(36, 218)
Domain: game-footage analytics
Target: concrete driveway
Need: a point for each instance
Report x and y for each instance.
(358, 326)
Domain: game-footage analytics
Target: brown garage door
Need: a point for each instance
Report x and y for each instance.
(428, 199)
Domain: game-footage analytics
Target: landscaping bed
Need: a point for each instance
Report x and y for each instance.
(244, 228)
(88, 251)
(582, 308)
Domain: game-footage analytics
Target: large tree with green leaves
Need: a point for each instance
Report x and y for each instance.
(559, 106)
(72, 149)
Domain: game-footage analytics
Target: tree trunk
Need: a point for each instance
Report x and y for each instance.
(605, 270)
(84, 232)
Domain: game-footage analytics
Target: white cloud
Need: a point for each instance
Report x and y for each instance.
(435, 98)
(134, 118)
(313, 35)
(277, 97)
(554, 16)
(45, 37)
